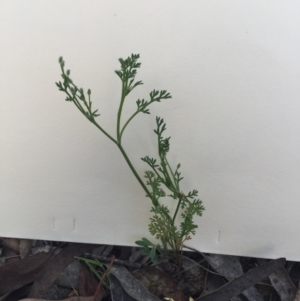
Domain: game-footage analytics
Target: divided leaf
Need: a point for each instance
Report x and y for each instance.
(161, 177)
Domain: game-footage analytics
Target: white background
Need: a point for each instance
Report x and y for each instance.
(233, 70)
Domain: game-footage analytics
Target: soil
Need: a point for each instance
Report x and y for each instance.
(58, 271)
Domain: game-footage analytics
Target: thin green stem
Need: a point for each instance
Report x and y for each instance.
(80, 108)
(173, 176)
(76, 102)
(158, 175)
(103, 131)
(155, 202)
(163, 164)
(124, 86)
(171, 185)
(119, 137)
(127, 122)
(172, 244)
(73, 97)
(175, 186)
(177, 208)
(133, 115)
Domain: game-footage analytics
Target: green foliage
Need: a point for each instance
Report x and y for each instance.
(155, 252)
(97, 268)
(76, 94)
(162, 226)
(161, 177)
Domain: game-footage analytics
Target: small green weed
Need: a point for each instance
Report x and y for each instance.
(97, 268)
(161, 177)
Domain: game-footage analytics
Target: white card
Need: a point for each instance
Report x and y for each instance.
(233, 70)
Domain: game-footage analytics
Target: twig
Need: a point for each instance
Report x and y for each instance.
(99, 287)
(118, 261)
(204, 268)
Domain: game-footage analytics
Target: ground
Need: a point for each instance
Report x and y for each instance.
(56, 271)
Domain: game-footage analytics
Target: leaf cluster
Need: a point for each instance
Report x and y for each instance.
(155, 252)
(161, 180)
(76, 95)
(128, 72)
(162, 177)
(155, 96)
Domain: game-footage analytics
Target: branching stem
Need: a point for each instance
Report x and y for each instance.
(162, 224)
(155, 203)
(177, 208)
(127, 122)
(123, 95)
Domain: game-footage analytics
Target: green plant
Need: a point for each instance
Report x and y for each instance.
(161, 175)
(97, 268)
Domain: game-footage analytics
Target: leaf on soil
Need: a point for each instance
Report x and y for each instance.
(282, 283)
(117, 292)
(107, 250)
(57, 292)
(87, 283)
(131, 286)
(55, 267)
(12, 243)
(231, 268)
(192, 278)
(9, 256)
(18, 294)
(19, 246)
(297, 297)
(159, 283)
(100, 291)
(138, 256)
(238, 285)
(17, 274)
(25, 247)
(76, 298)
(70, 276)
(213, 283)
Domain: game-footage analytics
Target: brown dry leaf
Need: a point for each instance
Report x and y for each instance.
(238, 285)
(10, 255)
(297, 297)
(100, 291)
(25, 247)
(18, 294)
(12, 243)
(17, 274)
(282, 283)
(117, 292)
(132, 286)
(70, 276)
(193, 277)
(159, 283)
(213, 283)
(76, 298)
(87, 284)
(55, 267)
(231, 268)
(19, 246)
